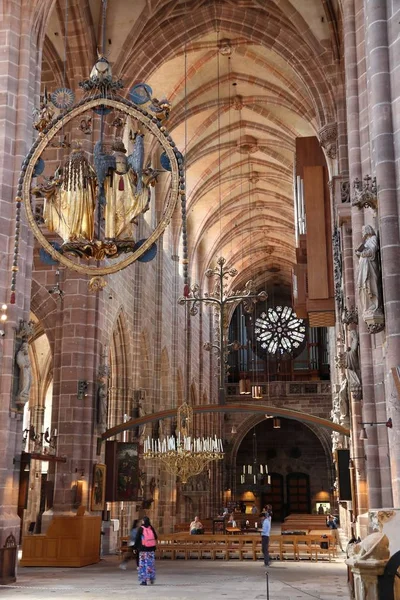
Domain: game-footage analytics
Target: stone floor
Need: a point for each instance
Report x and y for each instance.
(185, 580)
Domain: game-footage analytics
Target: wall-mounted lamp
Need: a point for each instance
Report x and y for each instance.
(233, 430)
(276, 423)
(363, 432)
(351, 461)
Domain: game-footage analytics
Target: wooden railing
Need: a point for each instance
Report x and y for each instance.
(282, 547)
(277, 389)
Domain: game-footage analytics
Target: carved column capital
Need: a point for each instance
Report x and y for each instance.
(365, 194)
(328, 139)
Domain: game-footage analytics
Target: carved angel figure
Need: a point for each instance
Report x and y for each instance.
(125, 195)
(70, 199)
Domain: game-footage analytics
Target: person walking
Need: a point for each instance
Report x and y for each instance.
(132, 550)
(265, 532)
(145, 543)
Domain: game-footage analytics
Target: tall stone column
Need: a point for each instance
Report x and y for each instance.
(382, 142)
(20, 56)
(76, 363)
(352, 17)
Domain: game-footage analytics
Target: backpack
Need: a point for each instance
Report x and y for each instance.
(148, 538)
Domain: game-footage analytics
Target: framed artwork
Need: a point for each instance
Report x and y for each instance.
(127, 466)
(99, 487)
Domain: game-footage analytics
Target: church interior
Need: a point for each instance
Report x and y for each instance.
(200, 276)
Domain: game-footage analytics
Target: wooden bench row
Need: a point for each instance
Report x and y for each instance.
(282, 547)
(303, 523)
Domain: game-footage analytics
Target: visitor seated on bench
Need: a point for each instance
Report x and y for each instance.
(231, 521)
(196, 527)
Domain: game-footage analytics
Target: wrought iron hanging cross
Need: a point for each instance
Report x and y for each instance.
(220, 298)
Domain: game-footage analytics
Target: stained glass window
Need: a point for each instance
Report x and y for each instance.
(279, 330)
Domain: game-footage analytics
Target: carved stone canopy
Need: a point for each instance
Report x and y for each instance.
(350, 315)
(345, 192)
(328, 139)
(365, 195)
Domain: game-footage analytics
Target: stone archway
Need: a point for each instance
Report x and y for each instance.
(321, 475)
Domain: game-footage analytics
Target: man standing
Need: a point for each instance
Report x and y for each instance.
(265, 531)
(331, 522)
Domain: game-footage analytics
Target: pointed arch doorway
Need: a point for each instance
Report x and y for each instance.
(298, 461)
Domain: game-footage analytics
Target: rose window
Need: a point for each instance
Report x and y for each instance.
(279, 330)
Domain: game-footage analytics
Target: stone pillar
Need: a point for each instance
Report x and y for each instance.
(382, 142)
(20, 45)
(359, 473)
(76, 362)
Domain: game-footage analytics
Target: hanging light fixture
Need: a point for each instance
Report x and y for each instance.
(233, 430)
(276, 423)
(256, 392)
(184, 455)
(244, 387)
(255, 476)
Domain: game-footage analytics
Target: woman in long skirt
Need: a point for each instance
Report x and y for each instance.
(146, 542)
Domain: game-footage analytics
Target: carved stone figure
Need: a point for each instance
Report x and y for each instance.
(125, 193)
(70, 199)
(103, 404)
(369, 277)
(337, 441)
(335, 412)
(343, 402)
(25, 375)
(374, 547)
(353, 366)
(103, 377)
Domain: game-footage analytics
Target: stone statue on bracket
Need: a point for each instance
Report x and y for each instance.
(353, 366)
(369, 281)
(335, 412)
(25, 375)
(343, 401)
(102, 390)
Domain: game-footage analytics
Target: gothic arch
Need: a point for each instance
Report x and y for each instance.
(323, 435)
(119, 371)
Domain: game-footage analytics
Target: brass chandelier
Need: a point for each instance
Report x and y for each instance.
(184, 455)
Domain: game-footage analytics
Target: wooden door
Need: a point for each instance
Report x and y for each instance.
(298, 493)
(275, 497)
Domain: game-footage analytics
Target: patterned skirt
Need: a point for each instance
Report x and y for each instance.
(147, 566)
